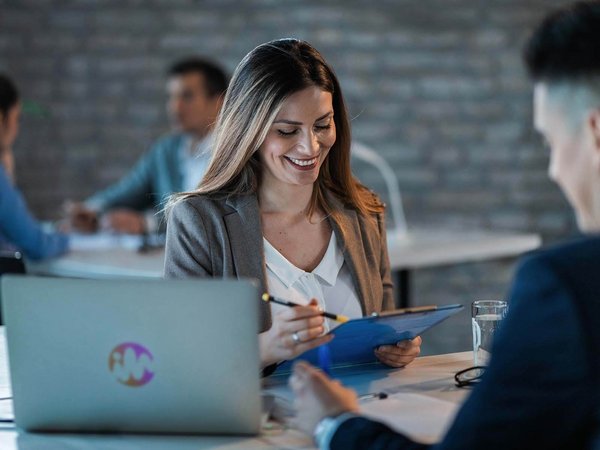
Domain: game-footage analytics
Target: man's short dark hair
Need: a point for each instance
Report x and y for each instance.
(566, 44)
(9, 95)
(215, 78)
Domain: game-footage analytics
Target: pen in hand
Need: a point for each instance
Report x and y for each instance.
(337, 317)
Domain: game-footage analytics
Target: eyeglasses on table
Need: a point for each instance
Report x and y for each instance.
(469, 377)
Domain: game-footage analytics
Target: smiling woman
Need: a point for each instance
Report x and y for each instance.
(279, 203)
(294, 150)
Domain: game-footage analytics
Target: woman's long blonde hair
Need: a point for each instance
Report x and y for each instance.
(262, 81)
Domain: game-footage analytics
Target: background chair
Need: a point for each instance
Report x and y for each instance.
(363, 153)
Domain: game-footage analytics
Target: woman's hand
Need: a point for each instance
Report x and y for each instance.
(294, 331)
(124, 221)
(317, 396)
(401, 354)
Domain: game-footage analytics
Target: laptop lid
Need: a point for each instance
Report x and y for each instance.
(160, 356)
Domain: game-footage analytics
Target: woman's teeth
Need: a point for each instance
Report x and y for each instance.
(303, 162)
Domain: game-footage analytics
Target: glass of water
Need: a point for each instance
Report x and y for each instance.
(486, 316)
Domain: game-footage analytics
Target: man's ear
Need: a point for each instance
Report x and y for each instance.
(594, 124)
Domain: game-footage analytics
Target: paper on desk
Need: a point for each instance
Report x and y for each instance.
(6, 410)
(105, 241)
(423, 418)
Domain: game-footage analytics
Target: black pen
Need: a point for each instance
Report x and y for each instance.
(379, 395)
(269, 298)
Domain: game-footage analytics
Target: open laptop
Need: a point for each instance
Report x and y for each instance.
(158, 356)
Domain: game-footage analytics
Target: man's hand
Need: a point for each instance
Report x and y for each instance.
(317, 396)
(124, 221)
(80, 218)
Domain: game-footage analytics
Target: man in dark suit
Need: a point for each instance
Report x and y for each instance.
(542, 387)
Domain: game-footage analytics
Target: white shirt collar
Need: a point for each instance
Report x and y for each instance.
(193, 148)
(327, 270)
(331, 264)
(287, 273)
(193, 160)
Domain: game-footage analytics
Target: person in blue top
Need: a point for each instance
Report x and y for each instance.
(175, 163)
(541, 389)
(18, 228)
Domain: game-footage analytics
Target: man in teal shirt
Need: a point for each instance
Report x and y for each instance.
(175, 163)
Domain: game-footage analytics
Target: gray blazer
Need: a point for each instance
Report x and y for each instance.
(218, 237)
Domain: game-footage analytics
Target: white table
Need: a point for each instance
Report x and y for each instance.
(117, 257)
(422, 402)
(429, 248)
(104, 256)
(420, 249)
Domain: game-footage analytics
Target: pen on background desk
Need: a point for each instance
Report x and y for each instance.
(378, 395)
(269, 298)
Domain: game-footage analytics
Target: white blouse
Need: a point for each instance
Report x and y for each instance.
(330, 282)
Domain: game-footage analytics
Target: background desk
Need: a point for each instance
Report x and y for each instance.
(103, 264)
(116, 257)
(421, 249)
(104, 256)
(422, 402)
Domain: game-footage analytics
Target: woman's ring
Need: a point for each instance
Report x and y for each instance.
(296, 338)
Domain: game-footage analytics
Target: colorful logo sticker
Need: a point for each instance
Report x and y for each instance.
(131, 364)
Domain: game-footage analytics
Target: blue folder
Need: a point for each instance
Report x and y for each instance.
(355, 340)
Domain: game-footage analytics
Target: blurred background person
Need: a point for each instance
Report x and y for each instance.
(175, 163)
(19, 231)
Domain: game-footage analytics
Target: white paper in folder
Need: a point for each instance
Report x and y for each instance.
(423, 418)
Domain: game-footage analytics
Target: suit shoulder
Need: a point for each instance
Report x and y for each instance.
(578, 251)
(572, 263)
(203, 205)
(213, 207)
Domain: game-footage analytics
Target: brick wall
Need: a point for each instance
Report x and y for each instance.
(436, 86)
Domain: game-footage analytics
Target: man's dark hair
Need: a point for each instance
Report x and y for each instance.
(215, 78)
(9, 95)
(566, 44)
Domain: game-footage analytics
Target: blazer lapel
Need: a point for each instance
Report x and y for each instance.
(246, 243)
(347, 231)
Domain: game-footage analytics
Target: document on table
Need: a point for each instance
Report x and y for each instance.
(421, 417)
(104, 241)
(6, 411)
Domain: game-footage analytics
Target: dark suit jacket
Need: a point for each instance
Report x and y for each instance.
(542, 388)
(222, 237)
